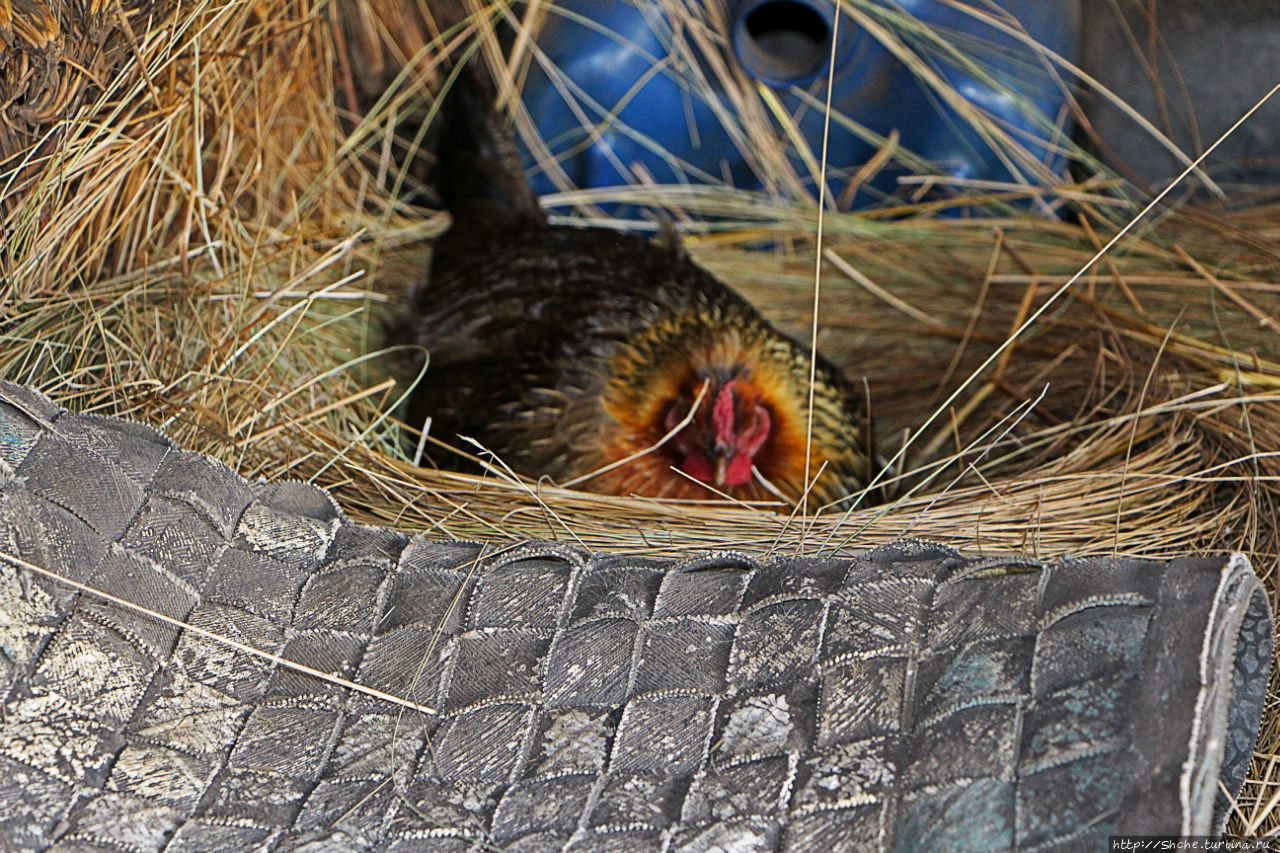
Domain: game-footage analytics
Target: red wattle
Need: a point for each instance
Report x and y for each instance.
(699, 467)
(738, 473)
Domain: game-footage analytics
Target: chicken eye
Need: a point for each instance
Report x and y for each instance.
(677, 411)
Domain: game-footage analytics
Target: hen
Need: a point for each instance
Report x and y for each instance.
(603, 359)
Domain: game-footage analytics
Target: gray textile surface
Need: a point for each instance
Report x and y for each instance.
(1185, 85)
(909, 698)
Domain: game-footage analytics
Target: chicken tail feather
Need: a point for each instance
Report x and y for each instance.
(478, 173)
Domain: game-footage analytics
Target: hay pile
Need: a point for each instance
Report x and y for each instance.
(203, 225)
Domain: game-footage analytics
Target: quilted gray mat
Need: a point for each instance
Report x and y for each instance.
(907, 698)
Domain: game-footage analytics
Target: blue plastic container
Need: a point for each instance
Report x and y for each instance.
(628, 110)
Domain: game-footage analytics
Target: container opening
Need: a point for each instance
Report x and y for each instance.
(782, 42)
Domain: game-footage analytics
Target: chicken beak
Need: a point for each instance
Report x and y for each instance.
(722, 468)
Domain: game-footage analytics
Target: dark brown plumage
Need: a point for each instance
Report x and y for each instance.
(567, 350)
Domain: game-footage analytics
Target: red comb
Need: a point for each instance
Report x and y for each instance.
(722, 415)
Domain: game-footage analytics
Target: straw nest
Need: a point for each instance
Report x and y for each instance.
(204, 224)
